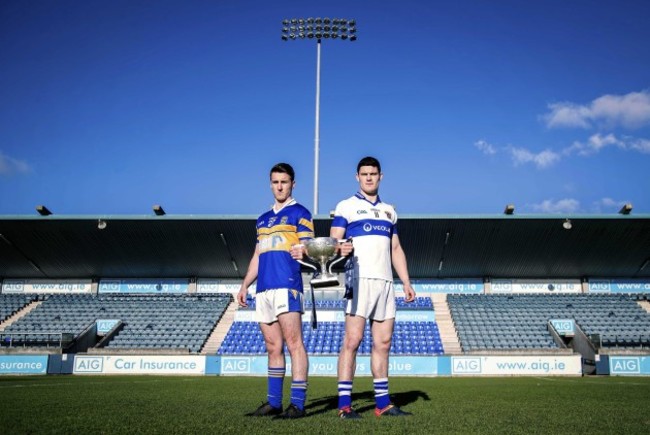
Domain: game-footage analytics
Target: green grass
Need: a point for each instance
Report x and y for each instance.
(215, 405)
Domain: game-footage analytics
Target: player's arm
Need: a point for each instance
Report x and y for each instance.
(399, 263)
(251, 276)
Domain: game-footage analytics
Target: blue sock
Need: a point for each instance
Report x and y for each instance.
(345, 394)
(299, 393)
(275, 380)
(381, 392)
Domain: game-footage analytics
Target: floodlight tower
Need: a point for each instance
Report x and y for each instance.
(318, 28)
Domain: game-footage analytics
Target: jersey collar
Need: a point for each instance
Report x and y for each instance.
(360, 196)
(292, 201)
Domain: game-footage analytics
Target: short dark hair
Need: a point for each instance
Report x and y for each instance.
(369, 161)
(283, 168)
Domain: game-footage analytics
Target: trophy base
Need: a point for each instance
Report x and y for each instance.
(324, 281)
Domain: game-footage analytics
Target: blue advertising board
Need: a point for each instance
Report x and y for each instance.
(629, 365)
(23, 364)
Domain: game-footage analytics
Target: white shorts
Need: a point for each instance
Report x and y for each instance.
(270, 304)
(373, 299)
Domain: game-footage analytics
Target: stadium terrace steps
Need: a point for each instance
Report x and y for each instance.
(19, 314)
(645, 305)
(448, 334)
(218, 334)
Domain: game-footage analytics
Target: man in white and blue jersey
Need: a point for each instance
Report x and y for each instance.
(279, 295)
(376, 249)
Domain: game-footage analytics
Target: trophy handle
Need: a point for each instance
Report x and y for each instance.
(329, 269)
(304, 263)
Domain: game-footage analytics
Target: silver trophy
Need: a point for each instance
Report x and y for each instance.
(322, 250)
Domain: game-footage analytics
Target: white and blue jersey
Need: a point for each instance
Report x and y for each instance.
(371, 227)
(276, 234)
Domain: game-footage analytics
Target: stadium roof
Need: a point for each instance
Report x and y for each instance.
(169, 246)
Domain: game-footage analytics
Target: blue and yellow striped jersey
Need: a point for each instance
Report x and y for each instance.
(276, 234)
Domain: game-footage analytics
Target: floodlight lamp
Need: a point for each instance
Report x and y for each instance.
(352, 30)
(101, 224)
(309, 28)
(301, 21)
(335, 28)
(285, 22)
(292, 36)
(310, 35)
(352, 22)
(43, 211)
(293, 28)
(335, 35)
(318, 21)
(567, 225)
(326, 20)
(301, 28)
(301, 35)
(344, 36)
(327, 28)
(318, 28)
(353, 37)
(326, 35)
(285, 30)
(626, 209)
(294, 21)
(285, 37)
(158, 210)
(310, 20)
(318, 35)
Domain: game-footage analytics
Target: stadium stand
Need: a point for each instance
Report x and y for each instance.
(148, 321)
(490, 321)
(410, 337)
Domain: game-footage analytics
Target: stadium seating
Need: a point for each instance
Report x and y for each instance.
(410, 338)
(150, 321)
(486, 322)
(11, 303)
(420, 303)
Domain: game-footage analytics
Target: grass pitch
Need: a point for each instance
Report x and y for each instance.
(215, 405)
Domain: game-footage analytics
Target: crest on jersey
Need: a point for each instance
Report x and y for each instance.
(389, 215)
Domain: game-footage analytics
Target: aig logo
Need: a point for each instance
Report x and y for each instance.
(625, 365)
(88, 364)
(109, 285)
(235, 365)
(466, 365)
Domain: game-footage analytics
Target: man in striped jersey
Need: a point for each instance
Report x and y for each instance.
(279, 294)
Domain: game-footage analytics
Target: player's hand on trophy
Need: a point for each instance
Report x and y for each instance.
(345, 247)
(297, 251)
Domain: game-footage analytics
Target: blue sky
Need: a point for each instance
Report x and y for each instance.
(112, 107)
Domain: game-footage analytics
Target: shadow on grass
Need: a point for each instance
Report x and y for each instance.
(363, 401)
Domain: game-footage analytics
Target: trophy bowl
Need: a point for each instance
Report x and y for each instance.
(321, 249)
